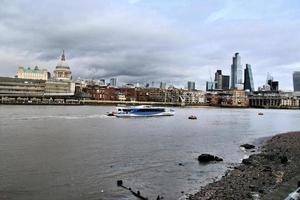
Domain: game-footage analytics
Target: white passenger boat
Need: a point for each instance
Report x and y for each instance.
(143, 111)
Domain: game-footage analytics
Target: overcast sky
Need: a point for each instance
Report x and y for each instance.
(152, 40)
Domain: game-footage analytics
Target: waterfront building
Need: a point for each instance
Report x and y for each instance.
(209, 86)
(236, 72)
(193, 97)
(113, 82)
(248, 79)
(62, 70)
(59, 88)
(274, 99)
(191, 86)
(19, 88)
(234, 98)
(296, 81)
(34, 74)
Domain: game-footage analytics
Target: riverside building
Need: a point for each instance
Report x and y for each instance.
(17, 89)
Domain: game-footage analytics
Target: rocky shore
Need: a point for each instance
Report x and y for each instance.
(271, 174)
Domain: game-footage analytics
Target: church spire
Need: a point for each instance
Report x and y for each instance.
(63, 58)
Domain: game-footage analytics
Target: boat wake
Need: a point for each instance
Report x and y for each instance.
(67, 117)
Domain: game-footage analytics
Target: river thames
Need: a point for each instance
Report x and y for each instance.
(77, 152)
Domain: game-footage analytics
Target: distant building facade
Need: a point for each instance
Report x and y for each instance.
(274, 85)
(218, 80)
(210, 86)
(193, 97)
(19, 87)
(163, 85)
(34, 74)
(236, 72)
(270, 85)
(221, 81)
(234, 98)
(62, 70)
(113, 82)
(191, 86)
(248, 79)
(59, 88)
(225, 82)
(296, 81)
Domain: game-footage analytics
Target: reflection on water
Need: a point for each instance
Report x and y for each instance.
(49, 152)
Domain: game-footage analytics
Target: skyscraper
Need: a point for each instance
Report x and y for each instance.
(236, 72)
(221, 81)
(191, 85)
(296, 81)
(218, 80)
(209, 86)
(248, 78)
(163, 85)
(113, 82)
(225, 82)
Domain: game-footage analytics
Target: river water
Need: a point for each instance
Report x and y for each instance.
(76, 152)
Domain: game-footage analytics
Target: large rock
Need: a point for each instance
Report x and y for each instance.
(248, 146)
(204, 158)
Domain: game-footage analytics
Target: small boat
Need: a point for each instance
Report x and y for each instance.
(192, 117)
(260, 113)
(143, 111)
(110, 114)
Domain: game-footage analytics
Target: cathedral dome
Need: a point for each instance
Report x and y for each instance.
(62, 70)
(62, 62)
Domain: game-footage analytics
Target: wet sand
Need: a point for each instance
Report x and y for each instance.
(271, 174)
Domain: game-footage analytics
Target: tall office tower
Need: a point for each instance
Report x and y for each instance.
(236, 72)
(296, 81)
(191, 86)
(248, 79)
(113, 82)
(218, 80)
(163, 85)
(225, 82)
(209, 86)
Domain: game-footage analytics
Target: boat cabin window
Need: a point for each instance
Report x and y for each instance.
(151, 110)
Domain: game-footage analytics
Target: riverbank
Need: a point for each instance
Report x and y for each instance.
(271, 174)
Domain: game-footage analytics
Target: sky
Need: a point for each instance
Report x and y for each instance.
(172, 41)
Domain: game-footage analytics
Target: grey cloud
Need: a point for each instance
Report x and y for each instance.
(104, 39)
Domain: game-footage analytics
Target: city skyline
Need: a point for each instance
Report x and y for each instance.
(145, 41)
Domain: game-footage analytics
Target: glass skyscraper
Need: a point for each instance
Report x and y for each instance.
(236, 72)
(113, 82)
(296, 81)
(191, 86)
(248, 79)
